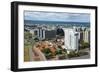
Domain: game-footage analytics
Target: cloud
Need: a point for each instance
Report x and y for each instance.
(56, 16)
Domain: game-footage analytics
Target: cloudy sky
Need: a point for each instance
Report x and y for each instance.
(56, 16)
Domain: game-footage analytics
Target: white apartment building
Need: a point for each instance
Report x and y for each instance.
(71, 39)
(86, 35)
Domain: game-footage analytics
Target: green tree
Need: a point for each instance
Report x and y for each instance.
(47, 52)
(84, 45)
(27, 35)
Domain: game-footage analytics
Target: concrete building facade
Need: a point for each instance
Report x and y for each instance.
(44, 33)
(86, 36)
(71, 39)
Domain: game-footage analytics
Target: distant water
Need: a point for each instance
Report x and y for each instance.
(84, 24)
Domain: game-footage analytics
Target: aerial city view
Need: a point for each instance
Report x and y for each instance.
(56, 36)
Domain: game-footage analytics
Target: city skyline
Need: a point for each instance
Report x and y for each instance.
(56, 36)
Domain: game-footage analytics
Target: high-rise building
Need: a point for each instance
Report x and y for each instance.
(86, 35)
(71, 39)
(45, 33)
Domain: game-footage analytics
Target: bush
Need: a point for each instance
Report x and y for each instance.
(36, 39)
(27, 35)
(47, 52)
(84, 45)
(58, 51)
(76, 54)
(73, 54)
(61, 53)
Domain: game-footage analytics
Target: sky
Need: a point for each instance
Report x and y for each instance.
(56, 16)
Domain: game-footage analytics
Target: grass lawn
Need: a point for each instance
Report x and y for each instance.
(28, 41)
(26, 53)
